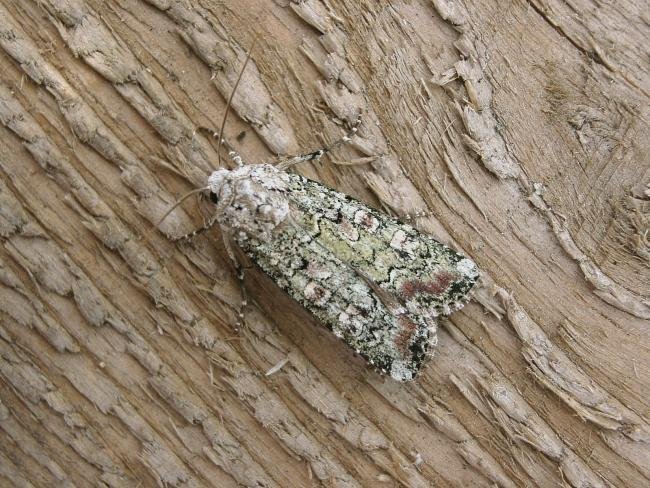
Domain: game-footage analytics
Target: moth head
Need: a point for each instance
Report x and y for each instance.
(215, 184)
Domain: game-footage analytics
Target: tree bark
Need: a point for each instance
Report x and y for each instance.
(517, 132)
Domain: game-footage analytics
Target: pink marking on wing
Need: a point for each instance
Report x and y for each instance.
(437, 286)
(348, 230)
(405, 335)
(366, 221)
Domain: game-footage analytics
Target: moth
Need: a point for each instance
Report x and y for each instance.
(375, 282)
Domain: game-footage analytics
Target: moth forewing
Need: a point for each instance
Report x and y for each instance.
(393, 341)
(375, 282)
(429, 278)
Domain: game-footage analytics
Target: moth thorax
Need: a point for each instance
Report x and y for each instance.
(249, 202)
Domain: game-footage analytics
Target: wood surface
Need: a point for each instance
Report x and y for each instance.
(517, 132)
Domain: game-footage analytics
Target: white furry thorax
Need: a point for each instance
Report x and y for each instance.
(250, 199)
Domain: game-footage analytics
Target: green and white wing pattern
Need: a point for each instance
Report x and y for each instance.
(375, 282)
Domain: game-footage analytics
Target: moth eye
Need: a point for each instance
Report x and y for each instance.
(214, 198)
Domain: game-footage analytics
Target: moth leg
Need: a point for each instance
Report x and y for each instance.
(239, 270)
(235, 158)
(316, 155)
(191, 235)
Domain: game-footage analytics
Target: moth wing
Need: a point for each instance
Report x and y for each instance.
(428, 277)
(395, 342)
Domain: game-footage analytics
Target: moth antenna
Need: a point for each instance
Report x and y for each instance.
(232, 94)
(178, 202)
(223, 125)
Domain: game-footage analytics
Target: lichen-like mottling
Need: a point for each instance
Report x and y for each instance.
(375, 282)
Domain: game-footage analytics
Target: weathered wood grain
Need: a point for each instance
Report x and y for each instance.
(517, 132)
